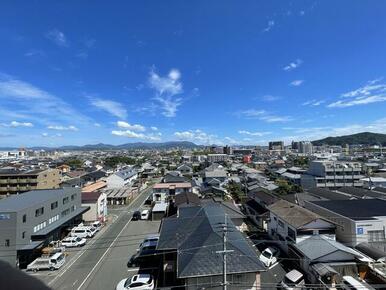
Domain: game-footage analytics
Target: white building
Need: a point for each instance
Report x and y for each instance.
(373, 182)
(97, 201)
(359, 220)
(332, 174)
(122, 178)
(291, 223)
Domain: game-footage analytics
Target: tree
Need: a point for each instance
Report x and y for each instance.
(115, 160)
(235, 191)
(75, 163)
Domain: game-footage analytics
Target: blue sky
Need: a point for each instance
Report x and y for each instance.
(224, 72)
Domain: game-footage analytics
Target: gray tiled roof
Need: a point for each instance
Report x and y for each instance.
(197, 234)
(319, 246)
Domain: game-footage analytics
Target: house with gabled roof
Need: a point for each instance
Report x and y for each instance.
(291, 223)
(191, 243)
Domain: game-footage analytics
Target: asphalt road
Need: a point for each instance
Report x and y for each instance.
(102, 263)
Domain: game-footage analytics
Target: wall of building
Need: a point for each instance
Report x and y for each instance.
(48, 179)
(23, 229)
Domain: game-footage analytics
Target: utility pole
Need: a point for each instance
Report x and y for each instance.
(224, 252)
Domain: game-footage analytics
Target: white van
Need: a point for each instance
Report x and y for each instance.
(293, 280)
(350, 283)
(82, 232)
(145, 214)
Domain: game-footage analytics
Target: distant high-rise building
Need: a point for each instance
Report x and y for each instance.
(305, 147)
(227, 150)
(276, 145)
(295, 145)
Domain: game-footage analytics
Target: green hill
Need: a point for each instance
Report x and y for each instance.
(365, 138)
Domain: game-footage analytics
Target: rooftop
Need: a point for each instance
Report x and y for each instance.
(28, 199)
(293, 214)
(355, 209)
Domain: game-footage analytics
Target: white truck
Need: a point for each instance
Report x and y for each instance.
(51, 263)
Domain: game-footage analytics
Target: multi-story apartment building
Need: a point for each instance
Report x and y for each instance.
(276, 145)
(305, 147)
(16, 181)
(29, 221)
(332, 174)
(217, 158)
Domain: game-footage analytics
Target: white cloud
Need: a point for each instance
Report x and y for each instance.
(134, 127)
(166, 89)
(313, 103)
(372, 92)
(112, 107)
(270, 98)
(297, 83)
(135, 135)
(270, 25)
(154, 128)
(62, 128)
(263, 116)
(197, 136)
(15, 124)
(230, 140)
(258, 134)
(46, 135)
(293, 65)
(57, 37)
(315, 133)
(97, 125)
(24, 99)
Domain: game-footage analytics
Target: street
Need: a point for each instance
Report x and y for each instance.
(101, 264)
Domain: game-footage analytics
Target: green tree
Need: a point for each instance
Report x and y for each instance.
(75, 163)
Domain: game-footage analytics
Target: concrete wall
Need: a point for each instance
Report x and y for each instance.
(14, 228)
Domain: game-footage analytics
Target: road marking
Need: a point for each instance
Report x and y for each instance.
(108, 249)
(88, 246)
(132, 270)
(101, 258)
(73, 284)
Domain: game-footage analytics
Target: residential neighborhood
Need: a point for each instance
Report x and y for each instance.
(184, 220)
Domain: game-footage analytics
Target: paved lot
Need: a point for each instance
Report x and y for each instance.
(102, 262)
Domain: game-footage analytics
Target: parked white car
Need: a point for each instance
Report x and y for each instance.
(137, 282)
(82, 232)
(145, 214)
(73, 242)
(269, 256)
(97, 225)
(293, 280)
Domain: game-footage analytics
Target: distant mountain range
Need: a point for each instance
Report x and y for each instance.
(365, 138)
(137, 145)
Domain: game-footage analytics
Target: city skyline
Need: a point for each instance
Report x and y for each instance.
(210, 73)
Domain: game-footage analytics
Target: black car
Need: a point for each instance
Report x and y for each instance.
(136, 215)
(147, 254)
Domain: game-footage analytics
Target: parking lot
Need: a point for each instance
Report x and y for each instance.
(102, 262)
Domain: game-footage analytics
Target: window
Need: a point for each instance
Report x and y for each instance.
(24, 218)
(376, 236)
(66, 200)
(39, 211)
(73, 196)
(73, 208)
(65, 212)
(7, 242)
(54, 205)
(280, 223)
(23, 235)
